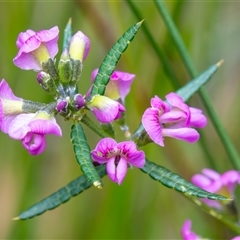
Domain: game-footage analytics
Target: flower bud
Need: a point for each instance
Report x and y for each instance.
(65, 68)
(61, 106)
(46, 82)
(79, 46)
(79, 101)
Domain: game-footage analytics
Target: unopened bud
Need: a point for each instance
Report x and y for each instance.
(79, 101)
(79, 46)
(65, 68)
(46, 82)
(61, 106)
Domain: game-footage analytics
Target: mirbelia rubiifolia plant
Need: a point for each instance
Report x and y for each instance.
(30, 121)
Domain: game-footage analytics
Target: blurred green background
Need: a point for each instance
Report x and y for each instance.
(140, 208)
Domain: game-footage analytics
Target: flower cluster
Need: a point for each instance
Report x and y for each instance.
(173, 118)
(30, 122)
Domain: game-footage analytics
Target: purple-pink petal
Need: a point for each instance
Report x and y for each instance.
(123, 80)
(186, 134)
(159, 104)
(29, 41)
(42, 127)
(197, 119)
(177, 102)
(111, 169)
(34, 143)
(187, 233)
(23, 37)
(105, 109)
(18, 128)
(102, 151)
(32, 130)
(178, 118)
(230, 179)
(6, 92)
(134, 156)
(121, 170)
(150, 121)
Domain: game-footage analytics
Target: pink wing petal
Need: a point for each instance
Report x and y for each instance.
(23, 37)
(103, 150)
(34, 143)
(159, 104)
(176, 101)
(134, 157)
(150, 121)
(18, 128)
(111, 169)
(121, 170)
(187, 134)
(198, 120)
(6, 91)
(42, 127)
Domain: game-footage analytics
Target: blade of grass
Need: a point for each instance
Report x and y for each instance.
(157, 49)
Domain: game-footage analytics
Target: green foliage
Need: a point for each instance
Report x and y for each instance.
(61, 196)
(83, 155)
(194, 85)
(173, 180)
(111, 60)
(67, 34)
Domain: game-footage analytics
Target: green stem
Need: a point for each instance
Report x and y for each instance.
(229, 147)
(216, 214)
(89, 123)
(157, 49)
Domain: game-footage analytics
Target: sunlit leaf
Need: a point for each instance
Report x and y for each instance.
(61, 196)
(173, 180)
(194, 85)
(111, 60)
(67, 34)
(83, 155)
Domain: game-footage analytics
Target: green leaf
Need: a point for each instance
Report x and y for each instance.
(83, 156)
(61, 196)
(173, 180)
(194, 85)
(67, 34)
(110, 61)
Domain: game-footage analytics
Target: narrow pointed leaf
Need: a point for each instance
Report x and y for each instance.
(111, 60)
(194, 85)
(173, 180)
(83, 156)
(61, 196)
(67, 34)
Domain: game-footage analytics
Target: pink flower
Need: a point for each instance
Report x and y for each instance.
(119, 84)
(79, 46)
(31, 130)
(118, 156)
(214, 182)
(10, 106)
(105, 109)
(187, 233)
(172, 119)
(35, 48)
